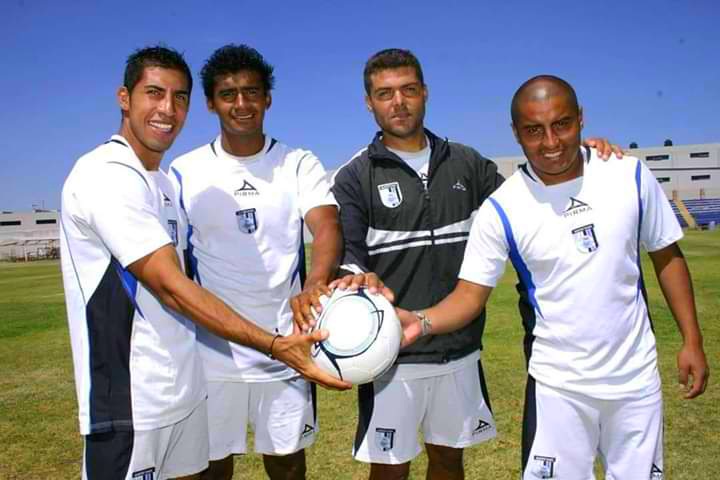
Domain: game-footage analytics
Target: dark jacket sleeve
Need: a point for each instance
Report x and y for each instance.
(348, 191)
(488, 178)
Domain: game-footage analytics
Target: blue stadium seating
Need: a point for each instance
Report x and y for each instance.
(703, 210)
(679, 217)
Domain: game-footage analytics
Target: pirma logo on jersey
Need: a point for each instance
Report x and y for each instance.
(247, 220)
(245, 190)
(390, 194)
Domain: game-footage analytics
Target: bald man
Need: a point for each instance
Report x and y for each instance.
(572, 226)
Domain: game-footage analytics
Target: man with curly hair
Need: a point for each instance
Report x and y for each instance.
(246, 197)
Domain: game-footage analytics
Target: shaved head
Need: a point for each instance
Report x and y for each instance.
(542, 88)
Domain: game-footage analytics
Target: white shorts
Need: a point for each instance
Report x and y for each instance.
(563, 431)
(174, 451)
(451, 410)
(282, 414)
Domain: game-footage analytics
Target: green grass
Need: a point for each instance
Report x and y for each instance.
(38, 426)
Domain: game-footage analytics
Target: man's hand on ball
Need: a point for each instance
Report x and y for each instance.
(303, 305)
(369, 280)
(411, 326)
(294, 351)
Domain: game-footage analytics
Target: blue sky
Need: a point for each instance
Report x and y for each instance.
(644, 71)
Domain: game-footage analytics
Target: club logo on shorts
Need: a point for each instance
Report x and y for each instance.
(543, 467)
(585, 239)
(308, 430)
(482, 426)
(656, 473)
(390, 194)
(385, 438)
(146, 474)
(172, 230)
(247, 220)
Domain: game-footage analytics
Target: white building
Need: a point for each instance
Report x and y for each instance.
(29, 235)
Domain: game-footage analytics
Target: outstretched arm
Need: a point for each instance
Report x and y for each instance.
(674, 277)
(326, 249)
(160, 272)
(455, 311)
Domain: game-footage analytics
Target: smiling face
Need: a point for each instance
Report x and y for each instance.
(397, 100)
(547, 125)
(154, 112)
(240, 101)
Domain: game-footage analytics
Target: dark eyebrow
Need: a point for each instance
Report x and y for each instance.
(156, 87)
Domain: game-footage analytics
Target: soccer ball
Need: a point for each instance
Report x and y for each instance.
(364, 338)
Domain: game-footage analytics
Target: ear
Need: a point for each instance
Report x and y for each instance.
(268, 101)
(210, 104)
(426, 93)
(515, 132)
(123, 99)
(368, 103)
(580, 117)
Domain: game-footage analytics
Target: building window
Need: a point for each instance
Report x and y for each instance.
(663, 179)
(695, 178)
(10, 223)
(46, 221)
(700, 155)
(656, 158)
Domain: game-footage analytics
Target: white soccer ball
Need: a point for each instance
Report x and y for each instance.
(364, 338)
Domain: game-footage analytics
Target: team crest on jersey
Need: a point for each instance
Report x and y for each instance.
(172, 230)
(585, 239)
(247, 220)
(385, 438)
(246, 190)
(656, 473)
(146, 474)
(543, 467)
(390, 194)
(576, 207)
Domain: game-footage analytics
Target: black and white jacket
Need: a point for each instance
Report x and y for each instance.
(412, 237)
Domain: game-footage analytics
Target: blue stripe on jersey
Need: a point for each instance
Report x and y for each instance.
(129, 283)
(191, 259)
(638, 184)
(515, 258)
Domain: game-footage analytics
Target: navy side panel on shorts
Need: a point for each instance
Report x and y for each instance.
(483, 385)
(107, 455)
(110, 313)
(529, 421)
(366, 404)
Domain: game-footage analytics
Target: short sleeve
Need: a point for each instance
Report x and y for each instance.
(487, 250)
(659, 227)
(313, 184)
(121, 209)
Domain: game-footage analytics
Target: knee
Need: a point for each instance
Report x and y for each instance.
(219, 469)
(380, 471)
(285, 467)
(446, 458)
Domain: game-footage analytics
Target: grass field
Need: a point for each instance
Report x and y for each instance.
(38, 426)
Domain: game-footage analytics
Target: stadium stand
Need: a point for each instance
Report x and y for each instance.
(704, 210)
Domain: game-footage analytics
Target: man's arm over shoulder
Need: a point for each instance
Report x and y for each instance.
(354, 215)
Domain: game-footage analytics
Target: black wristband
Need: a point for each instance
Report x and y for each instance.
(272, 344)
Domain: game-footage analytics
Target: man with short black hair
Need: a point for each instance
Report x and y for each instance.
(246, 197)
(575, 244)
(407, 202)
(139, 381)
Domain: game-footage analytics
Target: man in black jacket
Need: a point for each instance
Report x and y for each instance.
(406, 206)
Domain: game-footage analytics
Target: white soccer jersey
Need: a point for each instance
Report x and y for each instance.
(136, 362)
(576, 247)
(246, 219)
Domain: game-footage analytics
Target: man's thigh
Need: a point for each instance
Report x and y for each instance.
(631, 438)
(560, 434)
(283, 416)
(228, 404)
(174, 451)
(389, 418)
(458, 413)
